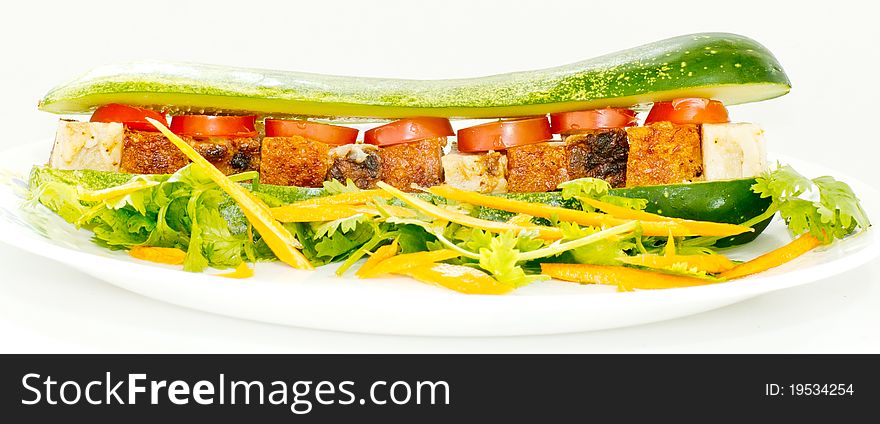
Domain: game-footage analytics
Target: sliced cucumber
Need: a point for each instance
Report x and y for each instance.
(727, 67)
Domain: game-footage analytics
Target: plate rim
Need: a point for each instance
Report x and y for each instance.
(743, 289)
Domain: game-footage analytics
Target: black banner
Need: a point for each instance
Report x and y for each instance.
(516, 388)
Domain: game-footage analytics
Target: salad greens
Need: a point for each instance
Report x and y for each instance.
(189, 211)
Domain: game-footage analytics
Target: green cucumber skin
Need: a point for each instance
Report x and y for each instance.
(731, 202)
(733, 68)
(719, 201)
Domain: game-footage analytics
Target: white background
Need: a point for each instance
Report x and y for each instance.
(830, 53)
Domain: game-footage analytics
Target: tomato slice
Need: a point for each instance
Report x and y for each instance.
(215, 126)
(408, 130)
(325, 133)
(500, 135)
(130, 116)
(567, 122)
(693, 110)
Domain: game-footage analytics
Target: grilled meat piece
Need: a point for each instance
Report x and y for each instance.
(294, 161)
(664, 153)
(536, 167)
(359, 163)
(148, 152)
(598, 154)
(417, 163)
(481, 172)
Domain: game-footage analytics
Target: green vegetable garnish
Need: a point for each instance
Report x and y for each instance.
(833, 211)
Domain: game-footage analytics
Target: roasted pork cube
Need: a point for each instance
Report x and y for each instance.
(480, 172)
(598, 154)
(231, 155)
(359, 163)
(150, 152)
(418, 163)
(87, 145)
(536, 167)
(663, 153)
(294, 161)
(733, 151)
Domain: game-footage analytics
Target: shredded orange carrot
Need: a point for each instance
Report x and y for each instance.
(649, 228)
(460, 278)
(623, 277)
(712, 264)
(774, 258)
(279, 240)
(434, 211)
(162, 255)
(379, 255)
(400, 263)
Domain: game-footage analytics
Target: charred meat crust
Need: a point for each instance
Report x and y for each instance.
(536, 167)
(364, 172)
(294, 161)
(598, 154)
(664, 153)
(147, 152)
(417, 163)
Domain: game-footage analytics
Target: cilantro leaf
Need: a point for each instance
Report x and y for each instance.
(835, 214)
(335, 187)
(601, 252)
(500, 259)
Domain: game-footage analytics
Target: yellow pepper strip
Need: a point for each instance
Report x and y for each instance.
(460, 278)
(649, 228)
(520, 219)
(379, 255)
(623, 277)
(242, 271)
(774, 258)
(279, 240)
(117, 191)
(670, 246)
(625, 213)
(712, 264)
(351, 198)
(398, 264)
(162, 255)
(697, 226)
(330, 212)
(434, 211)
(317, 213)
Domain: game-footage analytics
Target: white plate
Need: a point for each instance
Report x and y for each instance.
(279, 294)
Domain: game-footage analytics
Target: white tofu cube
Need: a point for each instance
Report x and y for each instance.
(733, 151)
(480, 172)
(87, 145)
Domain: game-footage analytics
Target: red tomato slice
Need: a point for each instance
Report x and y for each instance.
(216, 126)
(130, 116)
(500, 135)
(565, 122)
(408, 130)
(325, 133)
(692, 110)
